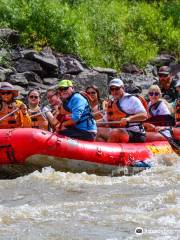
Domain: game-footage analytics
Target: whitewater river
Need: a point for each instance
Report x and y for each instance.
(54, 205)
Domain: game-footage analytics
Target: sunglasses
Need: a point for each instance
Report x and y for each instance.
(33, 97)
(6, 93)
(153, 94)
(63, 89)
(114, 89)
(91, 93)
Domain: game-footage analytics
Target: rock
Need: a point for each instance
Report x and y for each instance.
(50, 81)
(45, 58)
(131, 68)
(24, 65)
(9, 35)
(18, 78)
(4, 57)
(4, 73)
(109, 71)
(69, 65)
(15, 54)
(28, 53)
(150, 70)
(89, 77)
(36, 85)
(141, 80)
(163, 60)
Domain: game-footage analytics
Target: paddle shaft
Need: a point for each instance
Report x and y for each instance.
(39, 113)
(9, 114)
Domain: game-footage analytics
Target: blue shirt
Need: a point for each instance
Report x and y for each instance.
(79, 108)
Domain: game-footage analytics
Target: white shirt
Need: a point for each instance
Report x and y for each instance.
(131, 105)
(162, 109)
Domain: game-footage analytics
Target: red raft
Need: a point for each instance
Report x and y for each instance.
(21, 146)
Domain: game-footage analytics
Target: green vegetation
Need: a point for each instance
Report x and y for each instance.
(104, 33)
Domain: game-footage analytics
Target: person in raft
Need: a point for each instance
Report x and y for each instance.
(13, 113)
(124, 110)
(98, 105)
(76, 119)
(41, 117)
(158, 108)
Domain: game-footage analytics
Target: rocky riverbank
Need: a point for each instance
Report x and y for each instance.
(28, 69)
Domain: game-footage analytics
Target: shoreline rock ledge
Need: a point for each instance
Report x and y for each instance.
(28, 69)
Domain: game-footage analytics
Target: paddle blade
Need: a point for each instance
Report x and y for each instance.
(175, 144)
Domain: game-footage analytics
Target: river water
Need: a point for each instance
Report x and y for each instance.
(53, 205)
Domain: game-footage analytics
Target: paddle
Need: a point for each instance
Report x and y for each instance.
(160, 120)
(9, 114)
(39, 113)
(175, 144)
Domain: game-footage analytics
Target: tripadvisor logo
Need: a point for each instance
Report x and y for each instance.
(138, 231)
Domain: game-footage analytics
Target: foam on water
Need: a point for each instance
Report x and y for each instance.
(57, 205)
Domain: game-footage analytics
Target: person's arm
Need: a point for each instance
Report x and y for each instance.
(137, 112)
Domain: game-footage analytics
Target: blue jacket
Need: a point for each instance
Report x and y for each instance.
(81, 113)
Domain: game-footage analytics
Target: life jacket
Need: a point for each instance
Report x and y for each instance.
(177, 112)
(154, 107)
(64, 110)
(39, 120)
(15, 120)
(115, 112)
(143, 101)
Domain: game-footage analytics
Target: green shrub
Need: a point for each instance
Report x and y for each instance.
(104, 33)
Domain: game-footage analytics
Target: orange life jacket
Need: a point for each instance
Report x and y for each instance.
(114, 113)
(15, 120)
(177, 112)
(39, 120)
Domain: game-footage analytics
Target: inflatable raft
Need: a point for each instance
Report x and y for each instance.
(22, 146)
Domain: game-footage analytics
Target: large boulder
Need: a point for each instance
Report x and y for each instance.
(69, 65)
(25, 65)
(89, 77)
